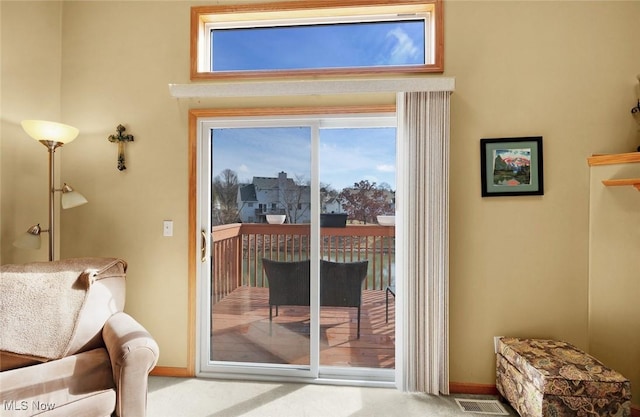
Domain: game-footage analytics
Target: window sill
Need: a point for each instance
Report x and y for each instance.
(311, 87)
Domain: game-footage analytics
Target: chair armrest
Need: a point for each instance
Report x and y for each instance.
(133, 354)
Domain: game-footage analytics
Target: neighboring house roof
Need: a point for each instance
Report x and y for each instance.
(264, 183)
(268, 183)
(249, 192)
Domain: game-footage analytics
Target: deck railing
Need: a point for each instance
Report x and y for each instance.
(238, 250)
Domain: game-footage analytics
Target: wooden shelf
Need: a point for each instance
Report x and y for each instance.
(619, 158)
(635, 182)
(611, 159)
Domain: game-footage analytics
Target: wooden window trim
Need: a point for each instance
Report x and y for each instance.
(200, 15)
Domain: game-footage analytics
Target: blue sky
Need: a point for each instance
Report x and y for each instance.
(319, 46)
(346, 155)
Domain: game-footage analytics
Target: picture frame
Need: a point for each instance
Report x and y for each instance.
(511, 166)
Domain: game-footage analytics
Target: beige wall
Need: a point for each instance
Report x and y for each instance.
(119, 58)
(31, 48)
(519, 266)
(563, 70)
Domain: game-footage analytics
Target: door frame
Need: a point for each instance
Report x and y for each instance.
(196, 267)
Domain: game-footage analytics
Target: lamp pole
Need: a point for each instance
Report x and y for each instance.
(51, 146)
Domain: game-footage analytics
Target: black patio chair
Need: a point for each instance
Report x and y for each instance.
(340, 284)
(288, 283)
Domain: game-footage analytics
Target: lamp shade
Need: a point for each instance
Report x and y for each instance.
(70, 198)
(42, 130)
(29, 239)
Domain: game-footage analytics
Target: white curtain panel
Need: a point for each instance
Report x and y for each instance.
(423, 249)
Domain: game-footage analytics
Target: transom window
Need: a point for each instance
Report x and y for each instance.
(335, 37)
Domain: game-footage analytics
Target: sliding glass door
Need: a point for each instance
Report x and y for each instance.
(357, 177)
(298, 278)
(260, 179)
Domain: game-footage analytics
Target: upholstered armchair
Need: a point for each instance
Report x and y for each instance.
(66, 346)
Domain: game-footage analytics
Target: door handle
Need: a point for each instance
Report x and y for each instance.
(204, 246)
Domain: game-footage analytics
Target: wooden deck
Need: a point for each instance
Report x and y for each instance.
(241, 332)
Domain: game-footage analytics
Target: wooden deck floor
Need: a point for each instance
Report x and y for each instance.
(242, 333)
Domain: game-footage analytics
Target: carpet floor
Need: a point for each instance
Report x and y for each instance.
(198, 397)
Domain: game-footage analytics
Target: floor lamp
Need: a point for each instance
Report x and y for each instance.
(52, 135)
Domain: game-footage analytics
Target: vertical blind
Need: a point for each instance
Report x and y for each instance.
(423, 129)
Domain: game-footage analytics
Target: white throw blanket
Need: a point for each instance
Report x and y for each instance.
(40, 304)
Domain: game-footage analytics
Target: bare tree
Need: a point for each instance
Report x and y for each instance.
(385, 186)
(364, 201)
(225, 198)
(295, 198)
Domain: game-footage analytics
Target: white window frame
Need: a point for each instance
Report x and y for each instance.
(204, 19)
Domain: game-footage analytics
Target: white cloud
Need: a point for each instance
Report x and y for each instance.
(386, 168)
(404, 48)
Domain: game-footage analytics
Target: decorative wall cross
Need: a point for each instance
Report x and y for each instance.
(121, 139)
(635, 112)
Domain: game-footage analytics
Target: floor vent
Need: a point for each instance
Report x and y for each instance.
(492, 407)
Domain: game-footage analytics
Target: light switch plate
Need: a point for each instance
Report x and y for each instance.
(167, 228)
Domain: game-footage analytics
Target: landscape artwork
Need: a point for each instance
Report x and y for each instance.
(511, 166)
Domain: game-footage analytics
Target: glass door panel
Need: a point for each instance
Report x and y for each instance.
(260, 216)
(357, 267)
(300, 277)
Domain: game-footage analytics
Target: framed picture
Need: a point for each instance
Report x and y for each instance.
(511, 166)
